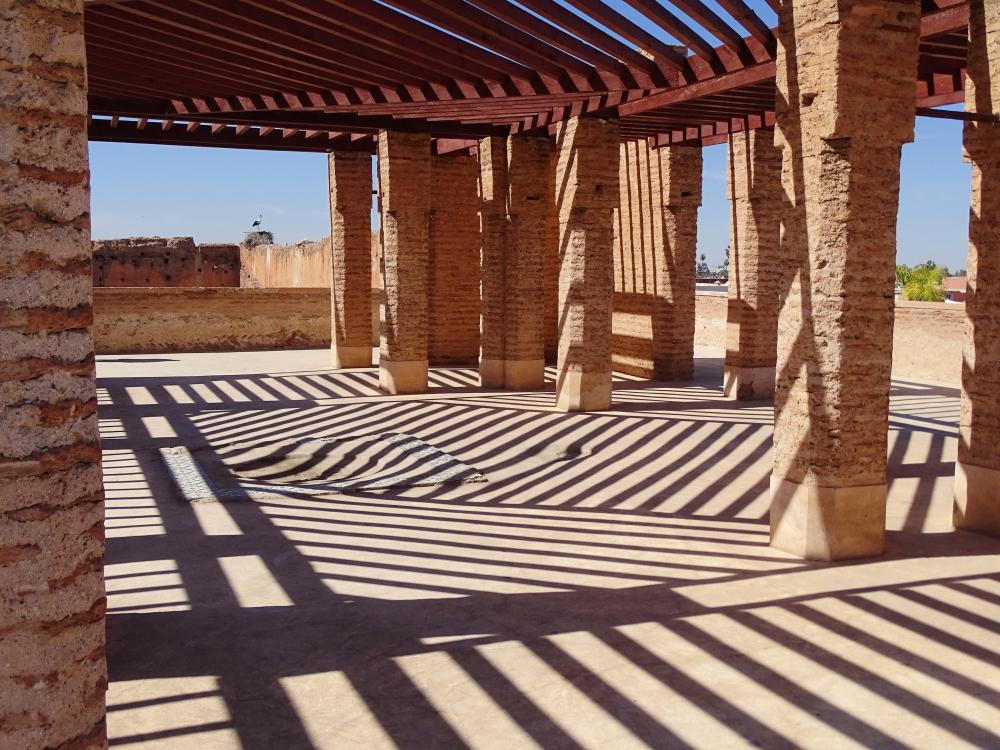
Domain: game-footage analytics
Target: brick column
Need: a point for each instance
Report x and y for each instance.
(530, 196)
(977, 472)
(453, 271)
(675, 184)
(404, 167)
(351, 251)
(516, 210)
(586, 190)
(493, 259)
(846, 71)
(754, 268)
(52, 669)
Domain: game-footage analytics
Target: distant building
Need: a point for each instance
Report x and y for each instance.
(955, 288)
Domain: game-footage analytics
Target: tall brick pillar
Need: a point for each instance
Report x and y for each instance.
(453, 262)
(586, 190)
(404, 168)
(977, 472)
(516, 180)
(351, 250)
(845, 106)
(493, 259)
(52, 670)
(675, 181)
(754, 267)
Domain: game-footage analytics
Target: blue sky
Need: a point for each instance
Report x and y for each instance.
(214, 194)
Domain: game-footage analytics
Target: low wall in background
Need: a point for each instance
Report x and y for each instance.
(137, 320)
(164, 262)
(927, 340)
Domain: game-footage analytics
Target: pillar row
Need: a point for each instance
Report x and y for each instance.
(350, 237)
(676, 185)
(977, 477)
(586, 190)
(754, 266)
(516, 198)
(52, 604)
(841, 130)
(404, 168)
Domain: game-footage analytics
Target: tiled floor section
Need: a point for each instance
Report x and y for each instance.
(609, 587)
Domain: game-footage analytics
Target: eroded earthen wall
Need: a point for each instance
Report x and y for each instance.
(164, 261)
(220, 264)
(52, 667)
(307, 264)
(161, 320)
(453, 255)
(656, 226)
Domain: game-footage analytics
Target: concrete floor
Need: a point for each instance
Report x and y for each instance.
(609, 587)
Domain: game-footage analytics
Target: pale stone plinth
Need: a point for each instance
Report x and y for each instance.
(512, 374)
(827, 523)
(491, 373)
(352, 356)
(977, 498)
(748, 383)
(398, 378)
(583, 391)
(524, 374)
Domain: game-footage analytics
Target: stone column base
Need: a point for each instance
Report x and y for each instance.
(827, 523)
(977, 498)
(491, 373)
(512, 374)
(351, 356)
(402, 377)
(748, 383)
(583, 391)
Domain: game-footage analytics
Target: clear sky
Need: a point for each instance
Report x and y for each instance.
(214, 194)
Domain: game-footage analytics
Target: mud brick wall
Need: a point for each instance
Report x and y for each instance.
(219, 264)
(282, 266)
(161, 320)
(52, 667)
(146, 261)
(164, 261)
(453, 258)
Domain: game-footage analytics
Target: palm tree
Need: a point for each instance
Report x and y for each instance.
(924, 283)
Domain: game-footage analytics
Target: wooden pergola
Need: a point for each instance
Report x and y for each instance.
(324, 75)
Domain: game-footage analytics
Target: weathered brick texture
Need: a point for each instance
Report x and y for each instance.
(841, 130)
(350, 250)
(977, 486)
(586, 189)
(52, 670)
(656, 228)
(404, 164)
(493, 251)
(516, 214)
(754, 182)
(453, 247)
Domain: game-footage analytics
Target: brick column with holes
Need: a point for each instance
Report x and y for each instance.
(52, 605)
(404, 164)
(586, 189)
(351, 290)
(846, 75)
(977, 472)
(754, 268)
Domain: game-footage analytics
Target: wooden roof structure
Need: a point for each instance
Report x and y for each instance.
(322, 75)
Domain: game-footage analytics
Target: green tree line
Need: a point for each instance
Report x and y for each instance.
(923, 283)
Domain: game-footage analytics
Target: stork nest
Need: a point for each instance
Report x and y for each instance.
(262, 237)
